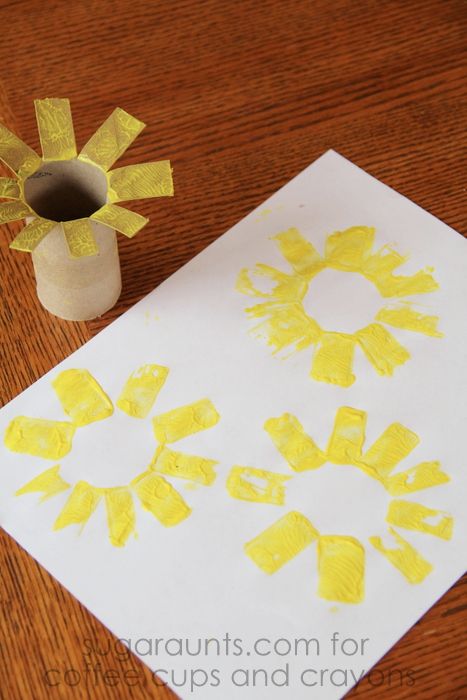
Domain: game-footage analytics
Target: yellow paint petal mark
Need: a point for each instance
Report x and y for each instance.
(141, 181)
(281, 542)
(341, 569)
(404, 557)
(348, 436)
(381, 348)
(286, 324)
(300, 253)
(49, 483)
(56, 131)
(9, 188)
(32, 234)
(378, 268)
(410, 320)
(423, 476)
(13, 211)
(186, 420)
(82, 398)
(161, 499)
(80, 238)
(16, 154)
(79, 507)
(141, 390)
(298, 449)
(347, 250)
(49, 439)
(414, 516)
(121, 219)
(259, 485)
(333, 359)
(390, 448)
(112, 139)
(120, 515)
(183, 466)
(285, 287)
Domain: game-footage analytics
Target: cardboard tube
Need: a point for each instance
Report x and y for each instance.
(75, 289)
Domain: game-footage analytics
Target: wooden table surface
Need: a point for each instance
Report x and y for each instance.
(241, 95)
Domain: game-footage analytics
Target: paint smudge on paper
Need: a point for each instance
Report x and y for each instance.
(404, 557)
(49, 483)
(284, 323)
(414, 516)
(141, 390)
(161, 499)
(82, 398)
(184, 466)
(39, 437)
(259, 485)
(341, 569)
(174, 425)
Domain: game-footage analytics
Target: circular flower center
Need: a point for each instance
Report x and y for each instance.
(64, 190)
(342, 301)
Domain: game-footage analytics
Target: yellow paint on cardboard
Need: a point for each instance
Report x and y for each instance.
(341, 569)
(141, 390)
(82, 398)
(38, 437)
(281, 542)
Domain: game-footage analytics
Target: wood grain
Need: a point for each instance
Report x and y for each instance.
(241, 95)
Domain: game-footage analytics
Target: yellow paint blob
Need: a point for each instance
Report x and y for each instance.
(348, 436)
(38, 437)
(284, 287)
(333, 359)
(161, 499)
(341, 569)
(297, 448)
(141, 390)
(348, 250)
(196, 469)
(414, 516)
(300, 253)
(381, 348)
(285, 324)
(281, 542)
(82, 398)
(186, 420)
(410, 320)
(80, 506)
(120, 515)
(259, 485)
(422, 476)
(49, 483)
(404, 557)
(390, 448)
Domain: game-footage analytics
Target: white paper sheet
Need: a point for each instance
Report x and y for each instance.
(194, 581)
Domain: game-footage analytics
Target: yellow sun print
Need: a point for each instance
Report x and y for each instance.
(284, 322)
(84, 402)
(341, 557)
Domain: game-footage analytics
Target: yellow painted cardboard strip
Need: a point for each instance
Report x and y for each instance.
(183, 466)
(258, 485)
(55, 126)
(404, 557)
(392, 446)
(112, 139)
(80, 506)
(49, 483)
(10, 188)
(123, 220)
(410, 320)
(414, 516)
(281, 542)
(333, 359)
(16, 154)
(121, 518)
(31, 235)
(186, 420)
(297, 448)
(348, 436)
(49, 439)
(381, 348)
(341, 569)
(80, 238)
(141, 390)
(299, 252)
(141, 181)
(161, 499)
(13, 211)
(422, 476)
(82, 398)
